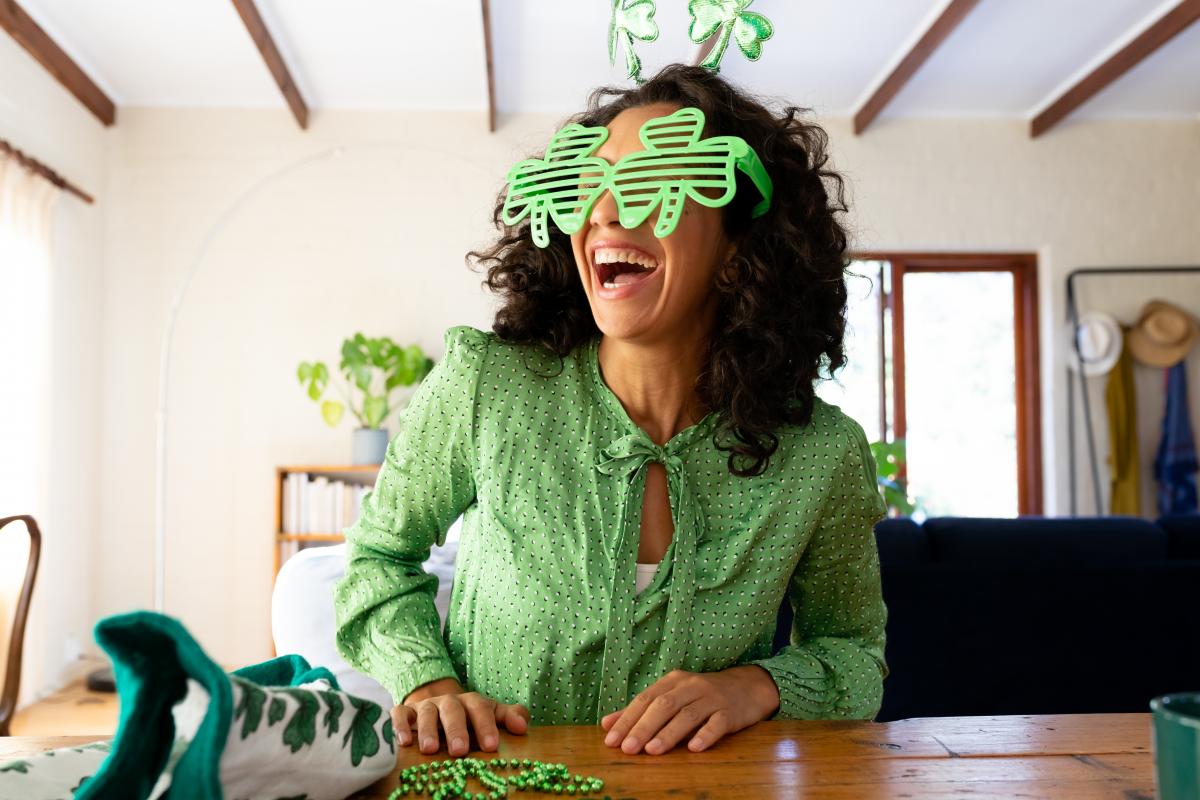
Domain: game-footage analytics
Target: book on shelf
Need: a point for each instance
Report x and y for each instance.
(318, 505)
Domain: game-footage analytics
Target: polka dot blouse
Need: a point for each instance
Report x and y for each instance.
(548, 470)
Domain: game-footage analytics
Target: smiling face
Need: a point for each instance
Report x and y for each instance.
(642, 288)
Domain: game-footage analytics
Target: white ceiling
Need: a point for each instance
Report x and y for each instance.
(1008, 58)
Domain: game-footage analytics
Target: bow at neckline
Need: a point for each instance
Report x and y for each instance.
(626, 460)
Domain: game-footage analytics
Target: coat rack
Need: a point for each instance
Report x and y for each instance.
(1073, 316)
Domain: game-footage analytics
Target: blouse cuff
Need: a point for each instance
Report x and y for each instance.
(803, 683)
(402, 682)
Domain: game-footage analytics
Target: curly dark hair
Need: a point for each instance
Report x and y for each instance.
(781, 301)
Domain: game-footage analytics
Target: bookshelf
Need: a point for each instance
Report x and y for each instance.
(308, 512)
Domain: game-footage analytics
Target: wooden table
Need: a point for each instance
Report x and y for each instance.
(1058, 757)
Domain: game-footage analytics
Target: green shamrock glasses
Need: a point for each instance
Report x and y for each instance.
(676, 164)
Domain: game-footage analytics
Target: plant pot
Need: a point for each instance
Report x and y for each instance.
(369, 446)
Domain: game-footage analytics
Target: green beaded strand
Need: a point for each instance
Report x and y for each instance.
(447, 780)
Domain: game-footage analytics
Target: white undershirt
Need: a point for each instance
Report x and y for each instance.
(645, 574)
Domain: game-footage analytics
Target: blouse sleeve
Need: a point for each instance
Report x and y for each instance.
(834, 666)
(386, 623)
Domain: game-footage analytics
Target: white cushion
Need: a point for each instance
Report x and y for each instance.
(302, 619)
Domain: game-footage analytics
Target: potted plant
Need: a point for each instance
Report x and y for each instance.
(889, 463)
(372, 369)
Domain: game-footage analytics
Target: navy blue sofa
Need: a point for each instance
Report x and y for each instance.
(1038, 615)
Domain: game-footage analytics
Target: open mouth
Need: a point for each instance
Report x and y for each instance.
(619, 267)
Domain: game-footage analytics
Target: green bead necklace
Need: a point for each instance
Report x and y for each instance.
(447, 780)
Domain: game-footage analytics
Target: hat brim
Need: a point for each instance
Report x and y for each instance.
(1099, 366)
(1153, 354)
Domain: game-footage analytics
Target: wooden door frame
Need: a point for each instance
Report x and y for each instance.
(1023, 267)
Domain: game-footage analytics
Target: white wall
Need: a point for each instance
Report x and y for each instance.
(38, 116)
(374, 241)
(1087, 194)
(371, 241)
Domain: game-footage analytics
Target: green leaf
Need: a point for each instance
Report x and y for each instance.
(316, 375)
(749, 31)
(333, 702)
(889, 460)
(331, 412)
(250, 705)
(377, 352)
(389, 735)
(633, 62)
(637, 18)
(395, 379)
(363, 739)
(612, 34)
(631, 19)
(365, 363)
(389, 354)
(405, 373)
(350, 355)
(275, 710)
(302, 727)
(707, 16)
(16, 766)
(361, 375)
(375, 408)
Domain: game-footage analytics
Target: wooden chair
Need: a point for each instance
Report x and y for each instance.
(12, 673)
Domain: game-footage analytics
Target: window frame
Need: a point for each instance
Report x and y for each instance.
(1023, 268)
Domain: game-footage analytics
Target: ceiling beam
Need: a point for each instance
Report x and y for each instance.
(30, 35)
(1165, 28)
(271, 55)
(938, 32)
(487, 57)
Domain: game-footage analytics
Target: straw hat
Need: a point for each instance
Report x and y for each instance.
(1163, 335)
(1099, 343)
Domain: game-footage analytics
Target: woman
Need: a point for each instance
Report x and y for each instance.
(643, 469)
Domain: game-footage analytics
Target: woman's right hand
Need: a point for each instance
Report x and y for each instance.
(458, 712)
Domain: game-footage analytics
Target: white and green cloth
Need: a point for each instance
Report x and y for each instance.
(188, 730)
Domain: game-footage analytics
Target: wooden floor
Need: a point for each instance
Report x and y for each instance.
(74, 711)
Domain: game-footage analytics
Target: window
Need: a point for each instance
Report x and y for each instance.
(943, 355)
(26, 209)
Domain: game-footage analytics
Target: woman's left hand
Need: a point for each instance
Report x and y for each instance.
(718, 703)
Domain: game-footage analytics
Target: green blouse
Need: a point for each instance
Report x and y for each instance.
(548, 470)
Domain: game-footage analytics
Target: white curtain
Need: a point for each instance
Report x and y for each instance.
(27, 203)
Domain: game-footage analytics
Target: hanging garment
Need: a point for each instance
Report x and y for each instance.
(1124, 464)
(190, 731)
(1175, 465)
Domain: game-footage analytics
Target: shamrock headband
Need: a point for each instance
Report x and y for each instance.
(713, 21)
(676, 164)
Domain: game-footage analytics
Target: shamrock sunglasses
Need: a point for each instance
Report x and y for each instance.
(676, 163)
